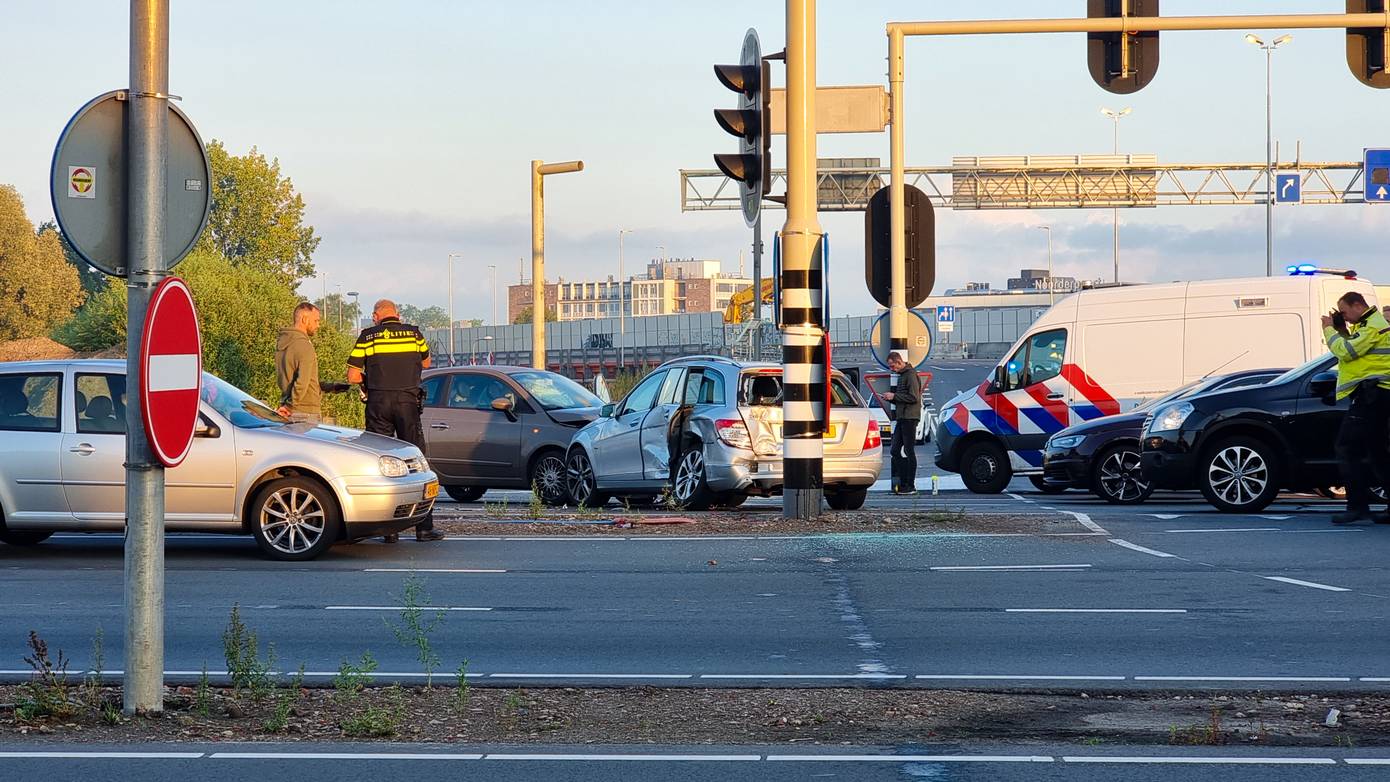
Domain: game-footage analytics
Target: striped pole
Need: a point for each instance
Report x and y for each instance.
(803, 352)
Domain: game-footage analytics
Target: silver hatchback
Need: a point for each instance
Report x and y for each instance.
(726, 448)
(296, 487)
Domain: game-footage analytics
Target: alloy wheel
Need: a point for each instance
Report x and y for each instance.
(1238, 474)
(1120, 476)
(689, 474)
(579, 478)
(548, 479)
(292, 520)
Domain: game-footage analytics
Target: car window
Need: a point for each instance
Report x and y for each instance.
(703, 388)
(434, 389)
(670, 390)
(1046, 350)
(1323, 362)
(644, 394)
(841, 395)
(556, 392)
(29, 402)
(470, 391)
(100, 404)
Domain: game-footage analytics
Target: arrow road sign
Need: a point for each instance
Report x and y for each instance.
(1375, 171)
(171, 371)
(1288, 189)
(945, 318)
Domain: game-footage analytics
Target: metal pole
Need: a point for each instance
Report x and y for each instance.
(450, 261)
(758, 287)
(493, 268)
(147, 150)
(1051, 283)
(1269, 162)
(803, 353)
(537, 266)
(1115, 213)
(897, 309)
(622, 303)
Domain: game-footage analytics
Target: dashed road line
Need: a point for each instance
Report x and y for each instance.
(1309, 584)
(429, 570)
(1005, 568)
(402, 608)
(1142, 549)
(1095, 610)
(1238, 529)
(1015, 677)
(1085, 521)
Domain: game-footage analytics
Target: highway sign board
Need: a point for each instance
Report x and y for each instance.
(87, 184)
(1375, 168)
(918, 339)
(1288, 188)
(945, 318)
(171, 371)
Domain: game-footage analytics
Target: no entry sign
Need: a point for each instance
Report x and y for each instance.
(171, 371)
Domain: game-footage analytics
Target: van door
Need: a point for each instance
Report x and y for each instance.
(1034, 400)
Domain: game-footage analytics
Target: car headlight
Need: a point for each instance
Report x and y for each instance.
(393, 467)
(1170, 417)
(1070, 441)
(424, 463)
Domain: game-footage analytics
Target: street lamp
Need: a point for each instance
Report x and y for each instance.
(1051, 286)
(1269, 142)
(356, 307)
(622, 300)
(452, 256)
(339, 287)
(539, 171)
(472, 350)
(493, 267)
(1115, 116)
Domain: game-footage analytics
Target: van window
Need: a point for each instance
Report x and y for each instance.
(1037, 360)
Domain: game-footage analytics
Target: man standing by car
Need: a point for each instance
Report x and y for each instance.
(1359, 336)
(906, 397)
(387, 360)
(297, 368)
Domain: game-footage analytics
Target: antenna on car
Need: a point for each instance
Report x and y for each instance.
(1223, 366)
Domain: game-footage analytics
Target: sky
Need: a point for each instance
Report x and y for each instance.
(409, 127)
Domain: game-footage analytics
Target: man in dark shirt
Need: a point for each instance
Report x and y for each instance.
(906, 397)
(387, 360)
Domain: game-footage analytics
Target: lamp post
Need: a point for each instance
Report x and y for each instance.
(622, 301)
(1269, 142)
(1051, 286)
(539, 171)
(1115, 116)
(473, 349)
(450, 262)
(339, 287)
(356, 309)
(493, 268)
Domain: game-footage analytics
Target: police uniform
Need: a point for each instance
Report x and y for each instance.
(1363, 373)
(391, 355)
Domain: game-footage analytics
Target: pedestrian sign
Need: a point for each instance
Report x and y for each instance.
(1288, 189)
(1375, 173)
(945, 318)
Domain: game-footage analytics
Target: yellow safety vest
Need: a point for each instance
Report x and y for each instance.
(1363, 353)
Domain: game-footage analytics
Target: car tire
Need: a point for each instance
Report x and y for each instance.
(581, 485)
(465, 493)
(1045, 487)
(294, 519)
(985, 468)
(690, 489)
(731, 499)
(847, 499)
(18, 537)
(548, 480)
(1116, 476)
(1239, 475)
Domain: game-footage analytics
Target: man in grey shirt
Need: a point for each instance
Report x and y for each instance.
(906, 397)
(297, 368)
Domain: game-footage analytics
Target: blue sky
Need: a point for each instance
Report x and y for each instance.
(409, 126)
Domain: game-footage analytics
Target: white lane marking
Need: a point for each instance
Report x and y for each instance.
(1242, 678)
(911, 758)
(130, 755)
(962, 568)
(1086, 522)
(1277, 518)
(429, 570)
(173, 372)
(1141, 549)
(1238, 529)
(749, 676)
(402, 608)
(341, 756)
(1095, 610)
(1024, 677)
(1018, 497)
(1200, 760)
(624, 758)
(1311, 584)
(1374, 679)
(590, 676)
(1166, 516)
(1366, 761)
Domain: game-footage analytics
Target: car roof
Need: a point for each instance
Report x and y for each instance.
(52, 365)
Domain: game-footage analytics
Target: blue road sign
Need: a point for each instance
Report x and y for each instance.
(1376, 176)
(1288, 188)
(945, 313)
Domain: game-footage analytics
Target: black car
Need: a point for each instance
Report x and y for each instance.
(1242, 446)
(1102, 455)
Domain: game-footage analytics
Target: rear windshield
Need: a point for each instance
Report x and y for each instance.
(767, 388)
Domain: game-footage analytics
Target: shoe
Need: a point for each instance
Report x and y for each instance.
(908, 491)
(1352, 516)
(427, 535)
(392, 538)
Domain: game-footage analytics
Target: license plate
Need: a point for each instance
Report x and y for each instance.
(431, 490)
(833, 433)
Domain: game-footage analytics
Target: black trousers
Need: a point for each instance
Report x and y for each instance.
(1363, 453)
(397, 414)
(904, 453)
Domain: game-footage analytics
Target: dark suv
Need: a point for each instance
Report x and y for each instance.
(1240, 447)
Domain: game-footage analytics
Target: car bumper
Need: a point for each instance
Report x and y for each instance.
(742, 471)
(1168, 460)
(378, 506)
(1066, 469)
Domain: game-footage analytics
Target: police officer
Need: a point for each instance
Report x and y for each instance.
(391, 355)
(1359, 336)
(906, 397)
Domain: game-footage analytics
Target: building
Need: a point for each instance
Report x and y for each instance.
(669, 287)
(1036, 280)
(519, 298)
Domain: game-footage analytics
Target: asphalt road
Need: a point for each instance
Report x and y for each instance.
(346, 762)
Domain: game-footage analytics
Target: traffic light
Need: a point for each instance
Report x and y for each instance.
(1368, 48)
(919, 256)
(751, 166)
(1122, 62)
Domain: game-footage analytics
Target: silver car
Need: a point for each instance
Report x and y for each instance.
(297, 488)
(728, 447)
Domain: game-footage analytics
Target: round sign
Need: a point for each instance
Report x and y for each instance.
(171, 371)
(918, 339)
(87, 184)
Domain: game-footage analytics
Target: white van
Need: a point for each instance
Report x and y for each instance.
(1104, 351)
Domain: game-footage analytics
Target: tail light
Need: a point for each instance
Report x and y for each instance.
(872, 439)
(733, 432)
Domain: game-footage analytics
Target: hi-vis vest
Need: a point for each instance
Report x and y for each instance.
(1363, 354)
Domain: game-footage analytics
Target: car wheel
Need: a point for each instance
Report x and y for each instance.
(1239, 476)
(548, 478)
(1045, 487)
(731, 499)
(16, 537)
(847, 499)
(985, 468)
(294, 519)
(465, 493)
(1116, 477)
(690, 490)
(580, 483)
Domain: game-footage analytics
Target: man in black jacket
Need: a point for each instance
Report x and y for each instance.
(906, 397)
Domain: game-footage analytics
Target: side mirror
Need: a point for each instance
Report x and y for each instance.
(607, 410)
(1324, 384)
(1001, 377)
(209, 430)
(505, 405)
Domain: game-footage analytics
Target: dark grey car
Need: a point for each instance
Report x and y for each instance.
(499, 427)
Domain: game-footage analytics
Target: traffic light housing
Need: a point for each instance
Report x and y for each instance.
(751, 166)
(1368, 48)
(1122, 62)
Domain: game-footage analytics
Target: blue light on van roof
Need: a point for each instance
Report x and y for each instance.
(1302, 269)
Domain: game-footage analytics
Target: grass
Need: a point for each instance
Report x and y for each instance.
(249, 670)
(46, 694)
(415, 628)
(496, 510)
(1209, 734)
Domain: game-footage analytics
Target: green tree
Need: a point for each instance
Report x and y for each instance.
(93, 279)
(524, 316)
(427, 318)
(340, 312)
(38, 288)
(257, 218)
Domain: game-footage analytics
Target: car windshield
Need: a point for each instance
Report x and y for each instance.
(237, 406)
(556, 392)
(1300, 371)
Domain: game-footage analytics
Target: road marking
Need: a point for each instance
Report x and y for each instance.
(1024, 677)
(130, 755)
(1019, 498)
(1166, 516)
(1277, 518)
(1200, 760)
(624, 758)
(911, 758)
(818, 676)
(1095, 610)
(403, 608)
(1242, 678)
(341, 756)
(1310, 584)
(1086, 522)
(1141, 549)
(429, 570)
(962, 568)
(590, 676)
(1374, 679)
(1366, 761)
(1238, 529)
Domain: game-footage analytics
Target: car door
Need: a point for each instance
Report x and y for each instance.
(31, 489)
(1034, 403)
(472, 441)
(201, 492)
(93, 451)
(1310, 425)
(618, 454)
(656, 426)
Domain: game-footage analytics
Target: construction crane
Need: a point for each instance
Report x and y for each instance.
(741, 304)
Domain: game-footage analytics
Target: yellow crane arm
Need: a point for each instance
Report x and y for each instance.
(741, 304)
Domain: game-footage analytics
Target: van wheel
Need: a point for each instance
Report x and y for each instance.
(1239, 475)
(985, 468)
(847, 499)
(1045, 487)
(1116, 477)
(294, 519)
(465, 493)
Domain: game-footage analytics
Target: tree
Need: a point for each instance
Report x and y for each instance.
(93, 279)
(38, 288)
(257, 218)
(343, 313)
(427, 318)
(525, 315)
